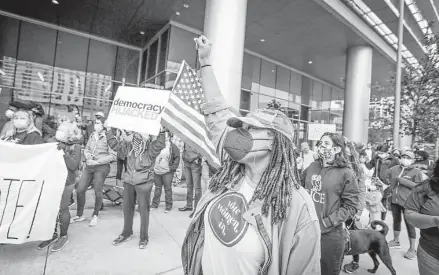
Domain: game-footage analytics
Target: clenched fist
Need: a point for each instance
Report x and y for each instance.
(204, 46)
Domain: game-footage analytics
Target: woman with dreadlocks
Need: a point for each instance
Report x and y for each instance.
(333, 186)
(254, 218)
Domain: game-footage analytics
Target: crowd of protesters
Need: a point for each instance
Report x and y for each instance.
(290, 206)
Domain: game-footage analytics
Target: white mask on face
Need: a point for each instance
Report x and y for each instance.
(405, 162)
(98, 128)
(9, 113)
(20, 124)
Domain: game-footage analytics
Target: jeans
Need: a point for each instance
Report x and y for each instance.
(427, 264)
(351, 222)
(143, 194)
(192, 172)
(121, 167)
(97, 173)
(164, 181)
(398, 212)
(333, 245)
(64, 212)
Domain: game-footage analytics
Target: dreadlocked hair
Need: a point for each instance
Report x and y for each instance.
(276, 184)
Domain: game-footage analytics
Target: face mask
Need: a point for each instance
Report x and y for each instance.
(325, 152)
(21, 124)
(9, 113)
(61, 136)
(98, 128)
(406, 162)
(239, 143)
(382, 156)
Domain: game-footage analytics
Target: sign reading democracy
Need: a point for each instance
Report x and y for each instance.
(138, 109)
(32, 181)
(316, 131)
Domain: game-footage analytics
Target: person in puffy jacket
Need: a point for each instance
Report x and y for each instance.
(98, 155)
(403, 178)
(141, 152)
(68, 137)
(166, 165)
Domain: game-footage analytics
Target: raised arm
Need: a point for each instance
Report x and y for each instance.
(215, 110)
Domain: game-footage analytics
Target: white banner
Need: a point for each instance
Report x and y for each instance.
(316, 131)
(138, 109)
(32, 180)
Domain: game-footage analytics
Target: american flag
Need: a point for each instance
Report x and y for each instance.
(183, 117)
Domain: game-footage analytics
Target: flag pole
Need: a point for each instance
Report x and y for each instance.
(397, 111)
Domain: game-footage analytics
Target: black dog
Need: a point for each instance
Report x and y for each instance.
(373, 242)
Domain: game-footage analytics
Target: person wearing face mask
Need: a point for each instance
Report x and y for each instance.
(25, 131)
(403, 178)
(8, 128)
(424, 163)
(98, 155)
(254, 218)
(67, 136)
(141, 152)
(333, 186)
(382, 164)
(165, 166)
(370, 153)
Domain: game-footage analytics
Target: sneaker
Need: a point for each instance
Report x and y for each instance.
(167, 210)
(72, 203)
(77, 219)
(143, 243)
(411, 254)
(394, 244)
(45, 244)
(350, 268)
(94, 221)
(121, 239)
(60, 243)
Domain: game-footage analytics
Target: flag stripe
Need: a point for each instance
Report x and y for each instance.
(198, 118)
(190, 137)
(181, 118)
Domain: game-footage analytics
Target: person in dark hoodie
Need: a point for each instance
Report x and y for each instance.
(25, 131)
(382, 163)
(403, 178)
(166, 165)
(68, 138)
(141, 152)
(333, 187)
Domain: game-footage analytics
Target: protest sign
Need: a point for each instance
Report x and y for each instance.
(138, 109)
(32, 180)
(316, 131)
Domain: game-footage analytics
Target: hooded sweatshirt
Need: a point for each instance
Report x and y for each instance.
(140, 168)
(334, 191)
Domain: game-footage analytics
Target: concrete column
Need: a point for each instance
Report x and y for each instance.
(357, 93)
(224, 25)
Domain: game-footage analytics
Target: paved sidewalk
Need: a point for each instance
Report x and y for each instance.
(90, 251)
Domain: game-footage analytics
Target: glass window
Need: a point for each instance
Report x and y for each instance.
(101, 58)
(8, 53)
(316, 116)
(337, 102)
(282, 83)
(37, 44)
(268, 78)
(144, 65)
(326, 97)
(293, 110)
(264, 101)
(256, 75)
(249, 100)
(316, 97)
(307, 87)
(247, 71)
(152, 59)
(163, 50)
(296, 87)
(181, 47)
(127, 65)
